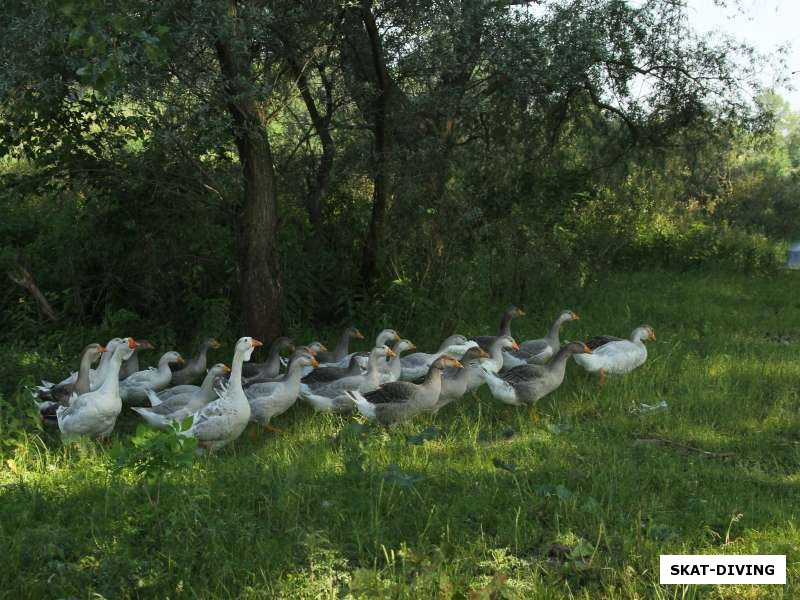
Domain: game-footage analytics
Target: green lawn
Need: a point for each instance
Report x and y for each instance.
(577, 502)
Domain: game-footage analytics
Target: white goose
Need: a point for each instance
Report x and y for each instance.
(133, 390)
(416, 365)
(616, 355)
(95, 413)
(179, 406)
(224, 419)
(269, 400)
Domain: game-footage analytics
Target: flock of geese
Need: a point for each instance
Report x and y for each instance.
(382, 385)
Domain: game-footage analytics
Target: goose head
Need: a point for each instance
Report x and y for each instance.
(403, 345)
(506, 342)
(94, 351)
(125, 348)
(514, 312)
(644, 333)
(245, 346)
(473, 355)
(379, 352)
(144, 345)
(353, 332)
(444, 362)
(171, 357)
(219, 369)
(387, 335)
(212, 343)
(567, 315)
(577, 348)
(454, 340)
(303, 360)
(315, 348)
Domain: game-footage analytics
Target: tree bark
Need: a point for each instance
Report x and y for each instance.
(261, 284)
(22, 277)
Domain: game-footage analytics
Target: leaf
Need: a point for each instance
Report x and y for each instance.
(431, 433)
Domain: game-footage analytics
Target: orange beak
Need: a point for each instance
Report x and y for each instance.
(102, 349)
(515, 345)
(132, 343)
(652, 336)
(227, 369)
(457, 364)
(575, 317)
(483, 353)
(314, 363)
(180, 360)
(520, 312)
(397, 336)
(359, 335)
(413, 346)
(216, 344)
(255, 343)
(390, 352)
(587, 350)
(323, 348)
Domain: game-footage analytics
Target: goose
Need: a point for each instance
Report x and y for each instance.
(96, 376)
(272, 366)
(194, 368)
(299, 351)
(512, 312)
(268, 400)
(454, 381)
(48, 398)
(223, 420)
(342, 346)
(541, 350)
(391, 369)
(324, 375)
(382, 339)
(216, 371)
(616, 355)
(365, 382)
(416, 365)
(525, 385)
(134, 388)
(131, 366)
(400, 400)
(95, 412)
(493, 364)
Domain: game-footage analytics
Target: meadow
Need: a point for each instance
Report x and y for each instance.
(482, 501)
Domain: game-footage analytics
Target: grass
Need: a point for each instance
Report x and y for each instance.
(578, 502)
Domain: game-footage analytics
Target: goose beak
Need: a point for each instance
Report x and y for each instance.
(102, 349)
(314, 363)
(575, 317)
(256, 343)
(457, 364)
(216, 344)
(412, 346)
(652, 337)
(322, 348)
(396, 336)
(132, 343)
(587, 350)
(180, 360)
(390, 352)
(226, 369)
(359, 335)
(515, 345)
(520, 312)
(483, 354)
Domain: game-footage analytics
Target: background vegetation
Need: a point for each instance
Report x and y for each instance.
(178, 169)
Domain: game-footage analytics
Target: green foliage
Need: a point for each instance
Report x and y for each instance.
(153, 452)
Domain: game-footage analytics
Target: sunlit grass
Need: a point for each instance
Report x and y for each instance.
(324, 510)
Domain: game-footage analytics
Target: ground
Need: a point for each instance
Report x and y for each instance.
(481, 502)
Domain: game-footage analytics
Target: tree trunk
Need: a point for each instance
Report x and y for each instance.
(261, 285)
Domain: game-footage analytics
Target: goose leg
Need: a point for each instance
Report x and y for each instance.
(602, 374)
(271, 429)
